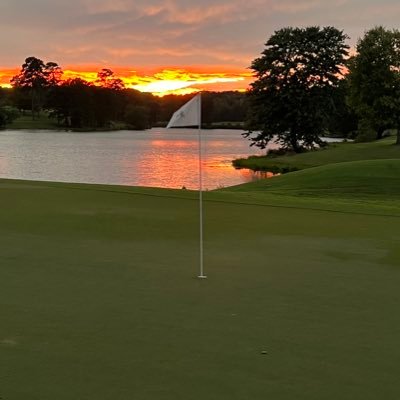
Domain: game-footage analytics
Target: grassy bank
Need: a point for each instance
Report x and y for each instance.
(358, 186)
(44, 122)
(26, 122)
(99, 298)
(335, 153)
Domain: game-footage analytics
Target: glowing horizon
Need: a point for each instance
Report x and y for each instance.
(212, 42)
(159, 82)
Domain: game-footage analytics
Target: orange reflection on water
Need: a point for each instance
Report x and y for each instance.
(250, 175)
(175, 170)
(170, 143)
(175, 164)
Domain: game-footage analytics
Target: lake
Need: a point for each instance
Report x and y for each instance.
(156, 157)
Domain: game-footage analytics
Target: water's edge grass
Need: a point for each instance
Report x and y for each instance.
(334, 153)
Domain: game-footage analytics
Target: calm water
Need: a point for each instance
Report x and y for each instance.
(157, 157)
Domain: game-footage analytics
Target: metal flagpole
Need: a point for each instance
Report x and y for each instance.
(201, 276)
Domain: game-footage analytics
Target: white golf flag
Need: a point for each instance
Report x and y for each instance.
(190, 115)
(187, 115)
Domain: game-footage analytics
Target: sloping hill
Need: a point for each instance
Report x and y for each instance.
(357, 179)
(335, 153)
(371, 186)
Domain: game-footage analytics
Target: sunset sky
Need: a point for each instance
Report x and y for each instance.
(164, 45)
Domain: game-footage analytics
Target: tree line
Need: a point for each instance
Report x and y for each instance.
(105, 104)
(308, 84)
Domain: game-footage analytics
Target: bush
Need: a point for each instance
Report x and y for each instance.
(365, 132)
(137, 117)
(7, 115)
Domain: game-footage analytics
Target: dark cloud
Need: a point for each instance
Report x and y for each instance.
(169, 32)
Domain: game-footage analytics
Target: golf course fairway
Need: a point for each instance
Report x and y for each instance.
(99, 297)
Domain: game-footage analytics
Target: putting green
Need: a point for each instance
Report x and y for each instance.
(99, 300)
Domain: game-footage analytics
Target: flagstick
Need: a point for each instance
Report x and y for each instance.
(189, 115)
(201, 276)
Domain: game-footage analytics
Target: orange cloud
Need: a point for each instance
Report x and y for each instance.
(6, 75)
(194, 15)
(159, 82)
(184, 81)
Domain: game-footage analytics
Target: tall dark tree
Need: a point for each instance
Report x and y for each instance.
(290, 100)
(343, 120)
(35, 76)
(73, 104)
(375, 82)
(53, 73)
(107, 79)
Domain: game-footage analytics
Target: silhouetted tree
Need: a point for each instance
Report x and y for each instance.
(107, 79)
(343, 120)
(375, 82)
(73, 104)
(35, 76)
(296, 76)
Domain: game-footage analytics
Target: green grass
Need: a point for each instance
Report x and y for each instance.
(98, 296)
(357, 179)
(358, 186)
(335, 153)
(26, 122)
(44, 122)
